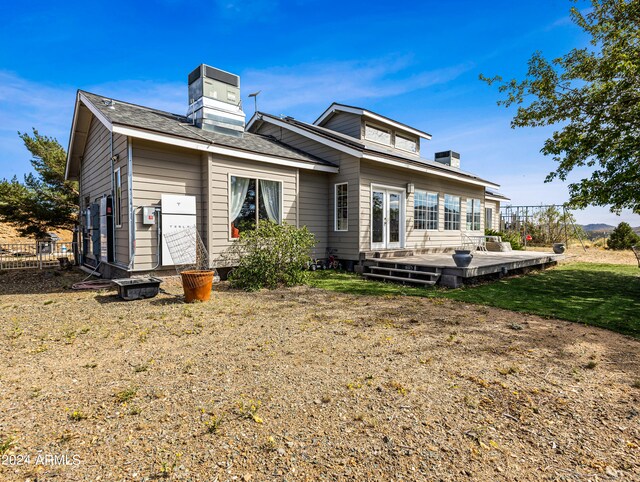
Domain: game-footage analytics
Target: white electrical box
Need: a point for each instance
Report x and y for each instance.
(148, 215)
(178, 214)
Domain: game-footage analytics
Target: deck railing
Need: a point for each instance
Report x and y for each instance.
(35, 255)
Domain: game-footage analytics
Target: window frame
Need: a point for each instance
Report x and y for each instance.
(257, 179)
(453, 224)
(382, 129)
(415, 143)
(428, 210)
(117, 197)
(472, 214)
(335, 207)
(488, 214)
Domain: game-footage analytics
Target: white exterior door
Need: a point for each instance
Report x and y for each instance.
(387, 218)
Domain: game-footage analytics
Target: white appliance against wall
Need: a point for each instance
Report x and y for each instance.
(178, 213)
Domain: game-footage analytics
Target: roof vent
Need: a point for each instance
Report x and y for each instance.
(448, 158)
(214, 101)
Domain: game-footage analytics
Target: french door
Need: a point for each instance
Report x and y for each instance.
(387, 218)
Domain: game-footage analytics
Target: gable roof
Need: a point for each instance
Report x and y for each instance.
(153, 124)
(337, 107)
(495, 196)
(355, 147)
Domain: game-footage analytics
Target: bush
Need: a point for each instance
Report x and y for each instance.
(508, 237)
(623, 237)
(271, 255)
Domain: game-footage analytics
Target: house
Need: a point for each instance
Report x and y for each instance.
(355, 178)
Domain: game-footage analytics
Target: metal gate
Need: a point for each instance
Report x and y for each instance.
(35, 255)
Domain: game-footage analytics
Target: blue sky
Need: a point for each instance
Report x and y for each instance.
(417, 62)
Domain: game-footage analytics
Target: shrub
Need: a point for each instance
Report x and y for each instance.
(271, 255)
(507, 237)
(623, 237)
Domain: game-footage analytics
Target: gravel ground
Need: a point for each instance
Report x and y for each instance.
(301, 384)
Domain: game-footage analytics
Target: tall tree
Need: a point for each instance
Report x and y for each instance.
(593, 95)
(44, 201)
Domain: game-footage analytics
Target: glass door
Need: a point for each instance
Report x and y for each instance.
(378, 220)
(393, 217)
(386, 219)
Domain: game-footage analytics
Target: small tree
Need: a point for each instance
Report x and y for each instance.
(623, 237)
(591, 96)
(269, 256)
(44, 201)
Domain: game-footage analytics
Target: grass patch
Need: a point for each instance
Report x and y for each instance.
(604, 295)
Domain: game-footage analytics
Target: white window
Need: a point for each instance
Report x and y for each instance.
(406, 144)
(488, 218)
(117, 197)
(253, 200)
(341, 211)
(473, 214)
(377, 134)
(451, 212)
(425, 210)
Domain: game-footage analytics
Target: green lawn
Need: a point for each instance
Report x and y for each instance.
(602, 295)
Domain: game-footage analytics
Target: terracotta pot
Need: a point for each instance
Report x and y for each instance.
(197, 285)
(462, 258)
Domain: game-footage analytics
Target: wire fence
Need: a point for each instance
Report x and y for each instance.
(36, 255)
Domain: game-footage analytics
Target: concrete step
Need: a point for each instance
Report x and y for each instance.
(399, 278)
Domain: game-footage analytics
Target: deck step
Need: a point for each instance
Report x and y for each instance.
(399, 278)
(399, 270)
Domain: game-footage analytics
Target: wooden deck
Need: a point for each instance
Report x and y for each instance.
(431, 268)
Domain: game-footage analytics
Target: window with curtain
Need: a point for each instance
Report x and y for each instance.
(341, 207)
(253, 200)
(488, 218)
(425, 210)
(451, 212)
(473, 214)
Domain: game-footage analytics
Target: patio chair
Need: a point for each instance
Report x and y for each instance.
(636, 251)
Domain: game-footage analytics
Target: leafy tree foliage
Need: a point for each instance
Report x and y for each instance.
(593, 94)
(44, 201)
(510, 237)
(623, 237)
(269, 256)
(550, 225)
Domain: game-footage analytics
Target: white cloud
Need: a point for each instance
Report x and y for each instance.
(309, 88)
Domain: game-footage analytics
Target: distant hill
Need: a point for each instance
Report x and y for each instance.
(597, 227)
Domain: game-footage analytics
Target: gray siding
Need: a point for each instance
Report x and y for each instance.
(346, 123)
(372, 173)
(162, 169)
(96, 178)
(220, 170)
(314, 192)
(345, 243)
(495, 205)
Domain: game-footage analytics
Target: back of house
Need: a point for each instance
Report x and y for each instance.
(355, 178)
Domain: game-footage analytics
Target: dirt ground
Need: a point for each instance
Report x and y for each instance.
(302, 384)
(594, 254)
(8, 234)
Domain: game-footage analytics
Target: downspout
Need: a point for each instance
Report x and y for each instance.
(113, 197)
(131, 209)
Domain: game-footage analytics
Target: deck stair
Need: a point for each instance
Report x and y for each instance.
(389, 270)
